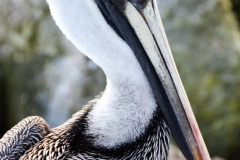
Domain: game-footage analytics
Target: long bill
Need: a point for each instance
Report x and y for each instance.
(145, 20)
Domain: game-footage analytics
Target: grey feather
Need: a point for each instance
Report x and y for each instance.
(61, 144)
(22, 136)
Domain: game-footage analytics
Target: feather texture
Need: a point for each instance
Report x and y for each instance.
(70, 141)
(22, 136)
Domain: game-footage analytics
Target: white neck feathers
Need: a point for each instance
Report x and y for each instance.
(127, 105)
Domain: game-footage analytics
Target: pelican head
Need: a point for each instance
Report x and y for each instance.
(127, 40)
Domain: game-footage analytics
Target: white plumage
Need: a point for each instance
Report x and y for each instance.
(127, 104)
(133, 117)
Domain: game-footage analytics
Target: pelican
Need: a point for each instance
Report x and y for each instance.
(144, 101)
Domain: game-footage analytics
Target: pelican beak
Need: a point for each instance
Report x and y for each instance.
(138, 23)
(144, 18)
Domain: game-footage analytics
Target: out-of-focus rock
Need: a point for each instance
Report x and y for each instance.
(204, 38)
(175, 153)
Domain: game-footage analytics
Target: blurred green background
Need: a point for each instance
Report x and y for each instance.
(41, 73)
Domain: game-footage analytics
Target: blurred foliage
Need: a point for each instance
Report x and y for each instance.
(204, 38)
(26, 45)
(36, 61)
(236, 9)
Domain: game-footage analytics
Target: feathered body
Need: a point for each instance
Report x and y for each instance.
(125, 122)
(70, 141)
(133, 117)
(22, 136)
